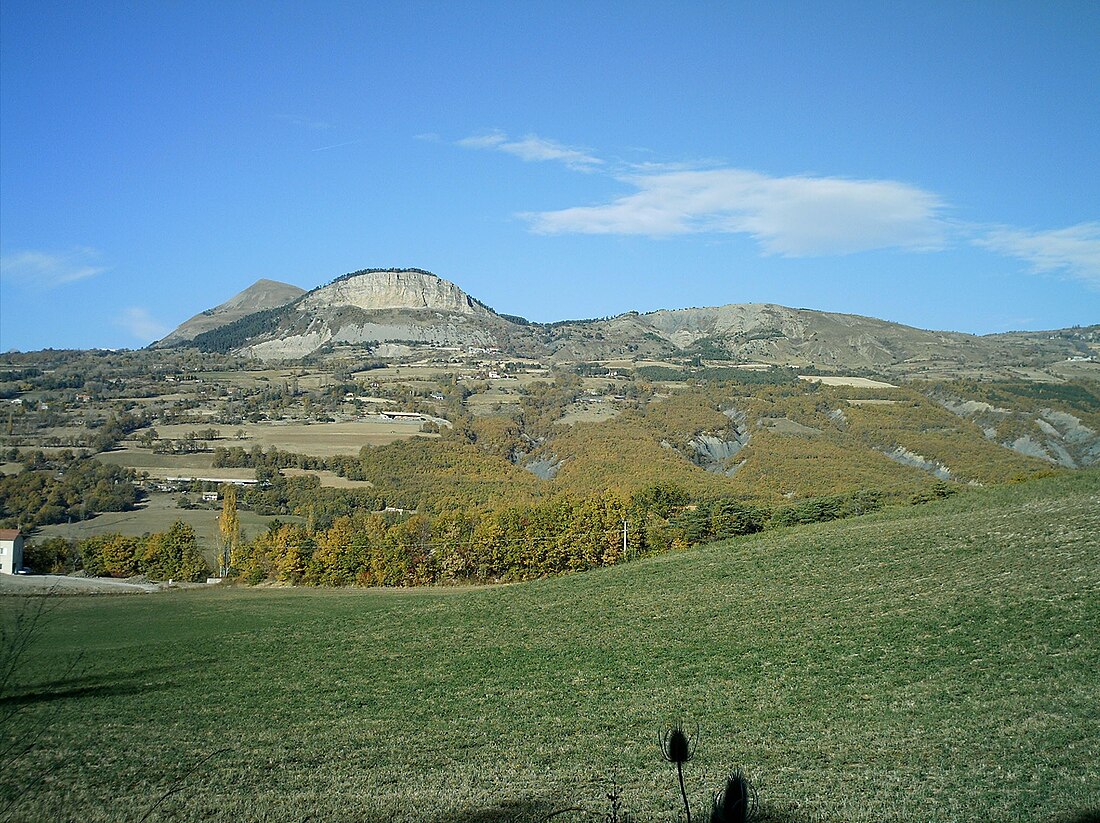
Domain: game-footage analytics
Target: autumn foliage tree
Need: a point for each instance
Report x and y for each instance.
(229, 528)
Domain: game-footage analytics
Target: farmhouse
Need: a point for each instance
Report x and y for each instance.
(232, 481)
(11, 551)
(404, 416)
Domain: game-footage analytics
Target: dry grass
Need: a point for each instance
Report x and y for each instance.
(317, 439)
(858, 382)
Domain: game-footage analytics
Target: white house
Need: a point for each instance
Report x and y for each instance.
(11, 551)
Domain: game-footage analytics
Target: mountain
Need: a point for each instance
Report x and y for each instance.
(766, 333)
(262, 295)
(368, 308)
(397, 312)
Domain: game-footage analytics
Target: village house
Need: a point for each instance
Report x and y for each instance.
(11, 551)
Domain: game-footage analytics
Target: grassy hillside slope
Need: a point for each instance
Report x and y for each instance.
(929, 663)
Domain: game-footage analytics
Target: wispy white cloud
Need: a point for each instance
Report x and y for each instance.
(792, 216)
(337, 145)
(51, 269)
(141, 324)
(533, 148)
(1074, 250)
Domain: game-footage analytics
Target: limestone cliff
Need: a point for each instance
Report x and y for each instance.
(375, 289)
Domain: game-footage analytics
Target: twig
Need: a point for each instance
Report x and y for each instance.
(177, 784)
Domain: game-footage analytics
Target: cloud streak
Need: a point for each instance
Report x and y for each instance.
(337, 145)
(141, 325)
(1074, 250)
(791, 216)
(535, 149)
(51, 269)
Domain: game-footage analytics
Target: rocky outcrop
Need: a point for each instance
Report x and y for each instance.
(377, 308)
(545, 468)
(375, 289)
(713, 453)
(902, 455)
(1057, 436)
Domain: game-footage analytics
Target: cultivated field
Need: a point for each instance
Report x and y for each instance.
(158, 514)
(163, 465)
(330, 480)
(933, 663)
(859, 382)
(318, 439)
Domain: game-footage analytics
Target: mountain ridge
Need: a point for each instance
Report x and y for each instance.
(397, 311)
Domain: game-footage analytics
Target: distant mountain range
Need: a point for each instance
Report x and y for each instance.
(395, 311)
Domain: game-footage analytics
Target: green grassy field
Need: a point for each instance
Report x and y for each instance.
(930, 663)
(157, 515)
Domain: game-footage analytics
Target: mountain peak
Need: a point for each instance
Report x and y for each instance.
(261, 295)
(375, 289)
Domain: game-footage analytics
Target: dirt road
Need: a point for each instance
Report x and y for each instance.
(62, 584)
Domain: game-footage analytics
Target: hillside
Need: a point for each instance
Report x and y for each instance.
(263, 295)
(930, 664)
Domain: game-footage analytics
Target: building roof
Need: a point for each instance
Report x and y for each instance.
(9, 534)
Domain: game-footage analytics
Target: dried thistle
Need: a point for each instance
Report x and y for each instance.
(677, 747)
(736, 803)
(615, 812)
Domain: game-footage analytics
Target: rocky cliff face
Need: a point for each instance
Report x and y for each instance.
(374, 290)
(378, 306)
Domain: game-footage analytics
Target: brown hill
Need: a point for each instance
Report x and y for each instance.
(260, 296)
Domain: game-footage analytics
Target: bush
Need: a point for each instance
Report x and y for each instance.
(55, 555)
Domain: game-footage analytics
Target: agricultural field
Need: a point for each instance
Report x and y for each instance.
(858, 382)
(929, 663)
(157, 514)
(329, 480)
(161, 465)
(318, 439)
(587, 412)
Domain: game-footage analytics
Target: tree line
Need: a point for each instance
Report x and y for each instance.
(170, 555)
(63, 488)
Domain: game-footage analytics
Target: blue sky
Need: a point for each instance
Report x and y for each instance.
(931, 163)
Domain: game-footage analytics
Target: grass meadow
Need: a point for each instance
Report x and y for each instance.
(932, 663)
(157, 514)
